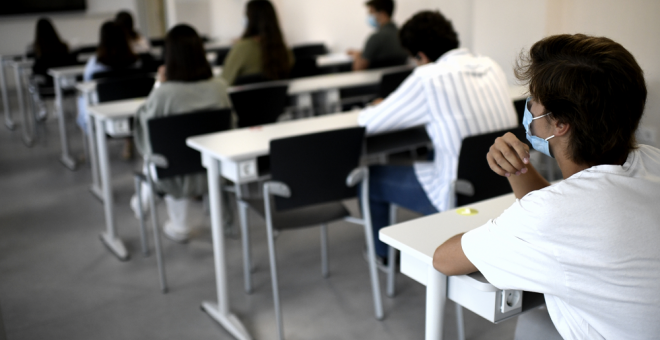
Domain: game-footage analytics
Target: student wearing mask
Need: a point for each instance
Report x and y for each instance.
(186, 84)
(454, 94)
(137, 42)
(261, 51)
(383, 48)
(590, 242)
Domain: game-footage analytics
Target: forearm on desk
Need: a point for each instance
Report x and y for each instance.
(525, 183)
(450, 259)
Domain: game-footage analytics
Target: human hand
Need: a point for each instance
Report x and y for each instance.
(161, 77)
(352, 52)
(508, 155)
(376, 101)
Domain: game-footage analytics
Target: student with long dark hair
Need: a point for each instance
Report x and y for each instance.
(49, 50)
(185, 84)
(113, 53)
(261, 50)
(137, 42)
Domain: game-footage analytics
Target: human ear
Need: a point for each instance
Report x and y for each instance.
(560, 129)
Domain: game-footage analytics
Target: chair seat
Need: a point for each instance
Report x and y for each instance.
(302, 217)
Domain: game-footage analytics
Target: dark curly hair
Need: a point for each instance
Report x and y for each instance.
(386, 6)
(428, 32)
(593, 84)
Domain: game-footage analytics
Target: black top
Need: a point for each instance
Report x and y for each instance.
(384, 47)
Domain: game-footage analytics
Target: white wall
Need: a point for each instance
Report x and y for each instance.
(341, 24)
(17, 32)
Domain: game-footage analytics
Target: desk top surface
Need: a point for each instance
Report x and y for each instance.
(248, 143)
(67, 70)
(420, 237)
(116, 109)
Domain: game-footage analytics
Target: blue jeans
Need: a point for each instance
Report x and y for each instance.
(398, 185)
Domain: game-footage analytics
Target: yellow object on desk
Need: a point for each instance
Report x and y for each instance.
(467, 211)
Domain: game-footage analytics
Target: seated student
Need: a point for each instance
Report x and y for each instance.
(137, 42)
(49, 51)
(454, 94)
(590, 242)
(383, 47)
(186, 85)
(261, 51)
(113, 53)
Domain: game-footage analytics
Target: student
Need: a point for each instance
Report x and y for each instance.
(454, 94)
(261, 51)
(137, 42)
(186, 85)
(383, 47)
(49, 51)
(590, 242)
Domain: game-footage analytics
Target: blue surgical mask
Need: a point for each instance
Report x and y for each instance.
(538, 143)
(371, 20)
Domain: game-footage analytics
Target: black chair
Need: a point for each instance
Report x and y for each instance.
(390, 81)
(309, 50)
(520, 108)
(157, 42)
(172, 157)
(311, 175)
(259, 104)
(118, 73)
(250, 79)
(388, 62)
(137, 86)
(220, 54)
(475, 181)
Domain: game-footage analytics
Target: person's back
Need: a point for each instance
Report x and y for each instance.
(590, 242)
(261, 50)
(186, 85)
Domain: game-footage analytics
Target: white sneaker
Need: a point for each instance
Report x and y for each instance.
(175, 234)
(135, 208)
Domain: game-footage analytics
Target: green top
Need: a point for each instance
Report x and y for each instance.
(244, 59)
(384, 47)
(171, 98)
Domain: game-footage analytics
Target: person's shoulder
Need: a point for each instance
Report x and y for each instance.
(245, 43)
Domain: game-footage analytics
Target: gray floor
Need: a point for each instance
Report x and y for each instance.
(57, 280)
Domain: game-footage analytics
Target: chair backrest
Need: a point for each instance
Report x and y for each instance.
(520, 109)
(124, 88)
(118, 73)
(305, 67)
(309, 50)
(220, 54)
(250, 79)
(387, 62)
(168, 135)
(315, 166)
(473, 167)
(259, 105)
(390, 81)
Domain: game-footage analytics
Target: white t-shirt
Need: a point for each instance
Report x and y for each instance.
(590, 243)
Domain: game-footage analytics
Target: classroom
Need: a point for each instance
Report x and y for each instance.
(345, 169)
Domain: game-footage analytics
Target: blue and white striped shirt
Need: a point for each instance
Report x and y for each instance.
(457, 96)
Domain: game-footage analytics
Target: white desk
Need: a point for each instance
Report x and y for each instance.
(333, 59)
(20, 69)
(418, 239)
(60, 74)
(111, 118)
(4, 61)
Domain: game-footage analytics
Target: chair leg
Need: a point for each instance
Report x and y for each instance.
(324, 250)
(154, 222)
(391, 268)
(459, 322)
(245, 239)
(373, 272)
(143, 231)
(273, 277)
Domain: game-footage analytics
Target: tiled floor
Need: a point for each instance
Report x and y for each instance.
(57, 280)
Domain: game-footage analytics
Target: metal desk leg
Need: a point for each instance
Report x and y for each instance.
(9, 122)
(21, 104)
(93, 161)
(66, 159)
(109, 237)
(220, 310)
(436, 298)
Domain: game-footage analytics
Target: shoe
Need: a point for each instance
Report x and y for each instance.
(381, 261)
(145, 206)
(174, 234)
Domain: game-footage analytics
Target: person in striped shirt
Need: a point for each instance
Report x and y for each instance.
(454, 94)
